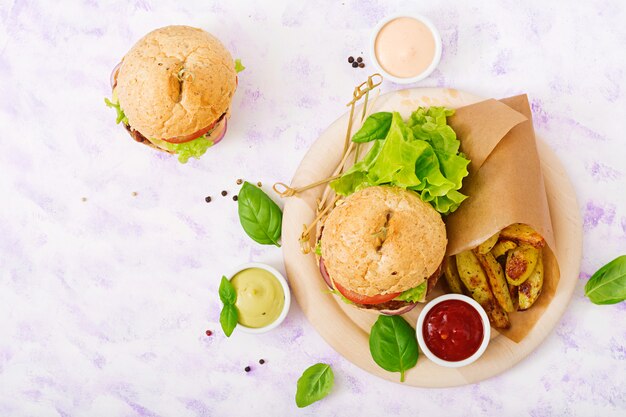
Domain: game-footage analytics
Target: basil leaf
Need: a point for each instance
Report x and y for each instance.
(229, 318)
(314, 384)
(227, 292)
(393, 344)
(608, 284)
(375, 127)
(259, 215)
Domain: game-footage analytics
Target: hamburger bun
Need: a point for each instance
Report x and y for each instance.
(175, 81)
(383, 240)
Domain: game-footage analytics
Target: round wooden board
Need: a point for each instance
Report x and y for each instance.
(345, 328)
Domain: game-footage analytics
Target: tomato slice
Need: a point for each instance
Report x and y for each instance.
(364, 299)
(195, 135)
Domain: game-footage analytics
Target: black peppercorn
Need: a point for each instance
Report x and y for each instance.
(359, 60)
(355, 64)
(224, 193)
(351, 59)
(247, 369)
(261, 361)
(235, 198)
(361, 65)
(207, 199)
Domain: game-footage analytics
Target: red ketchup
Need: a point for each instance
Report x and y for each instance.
(453, 330)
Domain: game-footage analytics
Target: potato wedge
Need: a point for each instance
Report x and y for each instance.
(487, 245)
(502, 247)
(497, 282)
(520, 263)
(530, 289)
(519, 232)
(513, 291)
(498, 317)
(475, 280)
(452, 275)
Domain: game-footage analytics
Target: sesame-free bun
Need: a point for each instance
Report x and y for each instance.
(383, 240)
(163, 102)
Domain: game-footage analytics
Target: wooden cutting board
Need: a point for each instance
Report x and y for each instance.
(345, 328)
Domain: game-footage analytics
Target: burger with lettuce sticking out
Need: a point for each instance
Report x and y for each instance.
(172, 91)
(382, 246)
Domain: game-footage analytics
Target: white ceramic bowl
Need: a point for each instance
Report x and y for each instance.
(286, 291)
(420, 334)
(418, 77)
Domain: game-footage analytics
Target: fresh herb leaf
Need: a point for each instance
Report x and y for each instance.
(315, 383)
(121, 117)
(375, 127)
(229, 315)
(420, 155)
(414, 295)
(393, 344)
(229, 318)
(227, 292)
(259, 215)
(239, 66)
(608, 284)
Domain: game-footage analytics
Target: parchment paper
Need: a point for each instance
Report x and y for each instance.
(505, 186)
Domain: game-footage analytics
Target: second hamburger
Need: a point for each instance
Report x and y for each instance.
(382, 249)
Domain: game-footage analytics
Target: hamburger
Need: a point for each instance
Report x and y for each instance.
(381, 249)
(172, 91)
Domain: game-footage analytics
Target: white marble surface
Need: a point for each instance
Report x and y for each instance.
(104, 302)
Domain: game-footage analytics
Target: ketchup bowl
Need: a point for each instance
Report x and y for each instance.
(453, 330)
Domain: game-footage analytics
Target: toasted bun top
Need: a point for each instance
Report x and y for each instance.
(383, 240)
(163, 102)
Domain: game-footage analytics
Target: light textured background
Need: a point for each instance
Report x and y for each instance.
(104, 303)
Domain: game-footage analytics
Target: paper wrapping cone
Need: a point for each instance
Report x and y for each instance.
(505, 186)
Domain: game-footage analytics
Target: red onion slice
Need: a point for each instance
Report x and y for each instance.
(325, 275)
(221, 135)
(113, 77)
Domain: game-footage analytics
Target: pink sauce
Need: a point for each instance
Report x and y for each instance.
(405, 47)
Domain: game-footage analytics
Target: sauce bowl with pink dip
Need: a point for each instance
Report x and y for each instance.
(405, 48)
(453, 330)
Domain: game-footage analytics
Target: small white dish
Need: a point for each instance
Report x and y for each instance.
(286, 291)
(420, 332)
(423, 74)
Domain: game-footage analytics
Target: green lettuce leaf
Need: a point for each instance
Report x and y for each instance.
(340, 295)
(318, 248)
(414, 295)
(421, 154)
(239, 66)
(121, 117)
(195, 148)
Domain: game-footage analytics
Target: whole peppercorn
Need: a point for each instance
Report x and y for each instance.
(359, 60)
(351, 59)
(261, 361)
(235, 198)
(224, 193)
(247, 369)
(355, 64)
(361, 65)
(207, 199)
